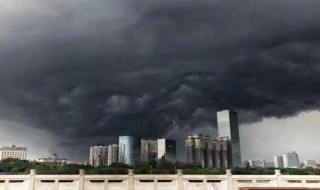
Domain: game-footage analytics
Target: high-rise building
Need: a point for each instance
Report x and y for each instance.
(129, 150)
(278, 162)
(13, 152)
(113, 154)
(166, 150)
(53, 159)
(291, 160)
(195, 145)
(149, 149)
(221, 152)
(98, 155)
(258, 163)
(228, 127)
(208, 152)
(160, 150)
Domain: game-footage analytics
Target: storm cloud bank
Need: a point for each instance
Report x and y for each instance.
(90, 71)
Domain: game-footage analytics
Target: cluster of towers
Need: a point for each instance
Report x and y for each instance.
(132, 150)
(219, 152)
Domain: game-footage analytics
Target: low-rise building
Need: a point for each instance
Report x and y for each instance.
(257, 163)
(53, 159)
(13, 152)
(310, 163)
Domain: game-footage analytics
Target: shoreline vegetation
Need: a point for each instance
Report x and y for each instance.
(15, 167)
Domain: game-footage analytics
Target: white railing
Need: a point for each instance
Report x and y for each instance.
(153, 182)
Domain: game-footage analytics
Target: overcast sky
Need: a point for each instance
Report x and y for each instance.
(75, 73)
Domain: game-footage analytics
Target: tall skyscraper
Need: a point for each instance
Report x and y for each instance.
(208, 152)
(113, 154)
(291, 160)
(166, 150)
(228, 127)
(278, 161)
(129, 150)
(13, 152)
(149, 149)
(98, 155)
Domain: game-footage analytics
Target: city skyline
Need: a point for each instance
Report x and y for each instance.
(257, 153)
(77, 73)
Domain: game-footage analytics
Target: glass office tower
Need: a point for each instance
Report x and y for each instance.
(228, 128)
(129, 150)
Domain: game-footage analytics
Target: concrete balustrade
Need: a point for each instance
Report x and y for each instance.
(153, 182)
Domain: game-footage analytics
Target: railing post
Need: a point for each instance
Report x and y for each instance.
(155, 181)
(229, 179)
(106, 184)
(277, 173)
(32, 179)
(6, 184)
(131, 179)
(205, 184)
(180, 181)
(81, 179)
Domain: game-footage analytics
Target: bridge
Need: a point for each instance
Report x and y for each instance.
(132, 181)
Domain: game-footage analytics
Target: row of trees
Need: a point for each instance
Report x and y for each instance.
(16, 166)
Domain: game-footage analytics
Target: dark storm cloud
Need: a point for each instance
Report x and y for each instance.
(91, 71)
